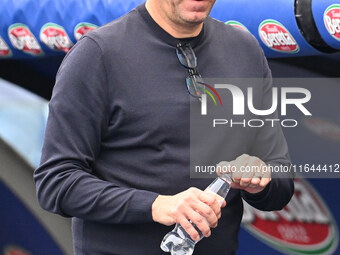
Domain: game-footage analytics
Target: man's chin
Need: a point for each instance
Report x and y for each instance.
(195, 19)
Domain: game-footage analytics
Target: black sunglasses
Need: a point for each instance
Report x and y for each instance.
(188, 59)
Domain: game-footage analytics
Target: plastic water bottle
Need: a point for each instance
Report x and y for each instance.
(178, 241)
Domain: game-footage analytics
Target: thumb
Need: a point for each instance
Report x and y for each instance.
(222, 167)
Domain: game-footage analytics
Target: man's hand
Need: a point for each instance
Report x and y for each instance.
(202, 208)
(248, 173)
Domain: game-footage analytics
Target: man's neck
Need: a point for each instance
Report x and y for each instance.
(176, 30)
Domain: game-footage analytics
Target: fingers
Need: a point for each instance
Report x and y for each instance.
(238, 166)
(235, 185)
(250, 170)
(200, 222)
(222, 167)
(199, 207)
(205, 211)
(195, 210)
(255, 181)
(210, 202)
(249, 173)
(266, 178)
(188, 227)
(208, 206)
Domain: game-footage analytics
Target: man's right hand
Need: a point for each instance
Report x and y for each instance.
(192, 204)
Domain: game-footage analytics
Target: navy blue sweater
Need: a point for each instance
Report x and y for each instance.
(118, 134)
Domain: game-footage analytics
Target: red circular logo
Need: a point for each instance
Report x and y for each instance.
(22, 39)
(276, 37)
(55, 37)
(304, 226)
(332, 20)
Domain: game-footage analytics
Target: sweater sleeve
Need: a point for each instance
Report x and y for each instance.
(78, 118)
(271, 147)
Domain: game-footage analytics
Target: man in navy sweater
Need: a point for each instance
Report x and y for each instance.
(116, 154)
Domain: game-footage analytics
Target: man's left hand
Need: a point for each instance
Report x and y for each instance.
(248, 173)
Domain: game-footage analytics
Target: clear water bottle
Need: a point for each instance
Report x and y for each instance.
(178, 241)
